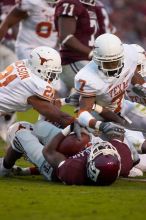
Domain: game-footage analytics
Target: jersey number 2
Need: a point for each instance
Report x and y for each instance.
(6, 77)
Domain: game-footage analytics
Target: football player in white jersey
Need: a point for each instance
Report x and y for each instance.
(36, 25)
(36, 28)
(105, 79)
(141, 67)
(29, 83)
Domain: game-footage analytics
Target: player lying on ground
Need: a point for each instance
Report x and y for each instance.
(46, 146)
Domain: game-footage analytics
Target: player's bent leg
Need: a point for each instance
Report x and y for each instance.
(24, 141)
(45, 131)
(136, 138)
(134, 153)
(16, 127)
(138, 118)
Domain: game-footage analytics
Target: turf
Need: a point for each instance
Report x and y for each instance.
(32, 198)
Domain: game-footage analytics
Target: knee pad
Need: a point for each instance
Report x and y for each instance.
(16, 127)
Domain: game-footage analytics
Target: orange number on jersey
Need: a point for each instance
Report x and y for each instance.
(82, 82)
(49, 92)
(43, 29)
(6, 76)
(118, 100)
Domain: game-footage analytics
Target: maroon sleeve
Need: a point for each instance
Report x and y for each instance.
(72, 172)
(126, 158)
(103, 19)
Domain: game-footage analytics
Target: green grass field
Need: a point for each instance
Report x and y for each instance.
(32, 198)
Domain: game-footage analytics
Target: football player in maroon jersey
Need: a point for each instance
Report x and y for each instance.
(99, 164)
(78, 23)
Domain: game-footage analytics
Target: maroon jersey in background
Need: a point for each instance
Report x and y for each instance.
(91, 22)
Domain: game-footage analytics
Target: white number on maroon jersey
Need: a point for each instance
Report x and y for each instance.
(93, 24)
(106, 20)
(68, 9)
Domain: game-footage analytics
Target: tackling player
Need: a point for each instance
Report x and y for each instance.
(105, 79)
(29, 83)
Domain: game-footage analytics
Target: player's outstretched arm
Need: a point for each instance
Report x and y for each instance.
(14, 17)
(50, 111)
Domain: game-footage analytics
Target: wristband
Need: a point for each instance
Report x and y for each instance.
(97, 125)
(144, 85)
(63, 102)
(66, 130)
(84, 118)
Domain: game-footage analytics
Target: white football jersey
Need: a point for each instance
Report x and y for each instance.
(38, 28)
(90, 81)
(17, 83)
(132, 96)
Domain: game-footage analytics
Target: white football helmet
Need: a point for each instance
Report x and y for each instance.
(45, 62)
(88, 2)
(141, 65)
(108, 55)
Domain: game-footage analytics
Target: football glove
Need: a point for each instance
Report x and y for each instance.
(73, 99)
(111, 129)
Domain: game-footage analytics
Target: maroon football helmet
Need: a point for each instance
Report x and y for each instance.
(88, 2)
(104, 163)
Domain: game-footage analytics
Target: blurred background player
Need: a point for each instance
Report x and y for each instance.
(7, 56)
(78, 23)
(36, 26)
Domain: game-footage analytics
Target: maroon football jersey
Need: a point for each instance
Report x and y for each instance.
(5, 7)
(73, 171)
(126, 158)
(91, 22)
